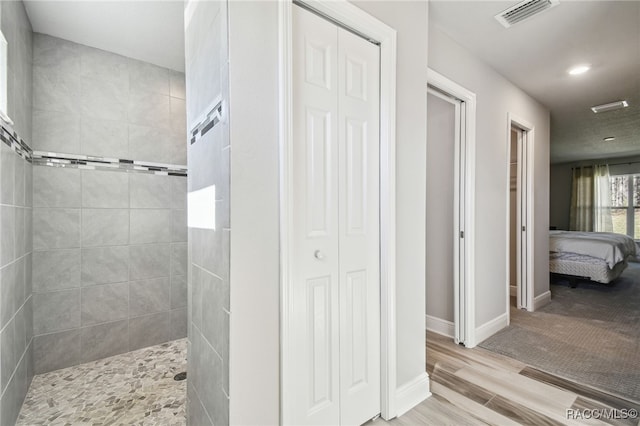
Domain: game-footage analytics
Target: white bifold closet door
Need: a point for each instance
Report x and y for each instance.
(335, 341)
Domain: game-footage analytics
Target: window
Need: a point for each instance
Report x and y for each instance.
(625, 204)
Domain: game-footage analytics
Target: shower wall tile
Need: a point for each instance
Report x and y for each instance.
(56, 131)
(147, 77)
(178, 323)
(149, 261)
(149, 330)
(104, 340)
(104, 303)
(7, 230)
(150, 226)
(102, 189)
(56, 187)
(149, 296)
(104, 138)
(7, 175)
(105, 227)
(107, 277)
(56, 270)
(56, 311)
(104, 99)
(56, 228)
(179, 226)
(103, 265)
(149, 109)
(149, 191)
(179, 259)
(178, 291)
(56, 350)
(16, 323)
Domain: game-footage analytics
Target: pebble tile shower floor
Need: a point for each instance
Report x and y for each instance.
(136, 388)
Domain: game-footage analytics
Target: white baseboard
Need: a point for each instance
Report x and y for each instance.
(491, 327)
(411, 394)
(440, 326)
(541, 300)
(513, 290)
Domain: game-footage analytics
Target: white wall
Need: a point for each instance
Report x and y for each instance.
(496, 97)
(255, 291)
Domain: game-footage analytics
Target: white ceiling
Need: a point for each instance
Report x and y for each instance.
(151, 31)
(536, 54)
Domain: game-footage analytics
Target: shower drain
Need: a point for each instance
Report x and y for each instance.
(180, 376)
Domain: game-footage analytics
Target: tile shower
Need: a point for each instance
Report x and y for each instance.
(94, 254)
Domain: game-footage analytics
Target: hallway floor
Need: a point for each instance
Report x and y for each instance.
(133, 388)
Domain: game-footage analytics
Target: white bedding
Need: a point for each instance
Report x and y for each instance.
(610, 247)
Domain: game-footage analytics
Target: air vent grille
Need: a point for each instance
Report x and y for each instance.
(610, 106)
(524, 10)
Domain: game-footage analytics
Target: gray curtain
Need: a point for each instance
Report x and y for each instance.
(590, 199)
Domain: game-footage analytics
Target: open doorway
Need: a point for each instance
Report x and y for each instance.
(449, 225)
(519, 263)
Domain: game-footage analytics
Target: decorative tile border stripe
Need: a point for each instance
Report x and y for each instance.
(212, 118)
(52, 159)
(10, 138)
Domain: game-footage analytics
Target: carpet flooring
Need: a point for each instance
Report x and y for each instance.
(589, 334)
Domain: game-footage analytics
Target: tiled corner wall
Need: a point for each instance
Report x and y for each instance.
(208, 154)
(110, 246)
(16, 303)
(109, 263)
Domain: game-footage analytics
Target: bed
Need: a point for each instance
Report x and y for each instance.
(594, 256)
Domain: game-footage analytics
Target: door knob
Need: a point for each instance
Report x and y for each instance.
(318, 255)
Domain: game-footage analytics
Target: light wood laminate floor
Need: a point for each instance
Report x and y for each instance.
(478, 387)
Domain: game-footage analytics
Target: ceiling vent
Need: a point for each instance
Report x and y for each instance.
(524, 10)
(610, 106)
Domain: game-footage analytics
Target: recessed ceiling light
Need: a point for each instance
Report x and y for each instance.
(609, 139)
(579, 69)
(610, 106)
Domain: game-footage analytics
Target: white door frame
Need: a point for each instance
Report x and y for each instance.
(524, 216)
(464, 287)
(350, 16)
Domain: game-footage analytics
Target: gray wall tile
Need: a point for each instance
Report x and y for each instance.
(18, 295)
(8, 360)
(178, 116)
(178, 323)
(56, 228)
(104, 138)
(28, 185)
(149, 261)
(55, 91)
(101, 227)
(150, 226)
(149, 109)
(179, 193)
(56, 187)
(103, 265)
(19, 195)
(56, 270)
(104, 99)
(149, 296)
(56, 131)
(179, 258)
(56, 54)
(179, 226)
(20, 337)
(57, 350)
(55, 311)
(178, 291)
(20, 231)
(104, 66)
(148, 78)
(212, 311)
(104, 340)
(149, 191)
(7, 175)
(105, 303)
(7, 293)
(7, 230)
(105, 189)
(177, 85)
(196, 414)
(149, 330)
(149, 143)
